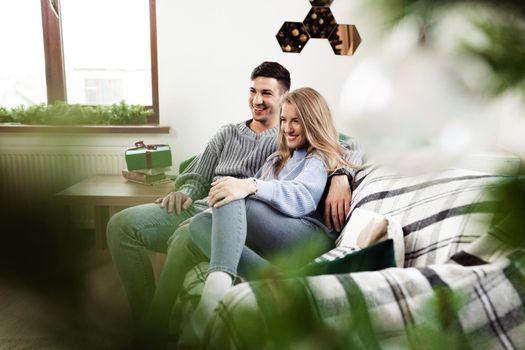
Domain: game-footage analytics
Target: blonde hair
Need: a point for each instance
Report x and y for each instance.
(322, 137)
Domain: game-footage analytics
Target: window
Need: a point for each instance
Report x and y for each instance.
(102, 91)
(92, 52)
(22, 63)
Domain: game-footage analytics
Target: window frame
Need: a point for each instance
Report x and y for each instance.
(54, 55)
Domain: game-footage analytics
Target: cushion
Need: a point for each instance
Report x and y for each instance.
(365, 227)
(375, 257)
(440, 213)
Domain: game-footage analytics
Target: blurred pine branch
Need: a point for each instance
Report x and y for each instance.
(509, 224)
(504, 30)
(503, 52)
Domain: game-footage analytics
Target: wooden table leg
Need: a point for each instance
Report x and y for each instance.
(101, 221)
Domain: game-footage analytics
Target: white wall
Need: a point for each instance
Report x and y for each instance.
(206, 51)
(208, 48)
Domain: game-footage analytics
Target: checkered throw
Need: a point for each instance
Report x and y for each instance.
(448, 246)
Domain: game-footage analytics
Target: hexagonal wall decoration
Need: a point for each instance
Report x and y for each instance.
(319, 23)
(292, 37)
(344, 39)
(321, 2)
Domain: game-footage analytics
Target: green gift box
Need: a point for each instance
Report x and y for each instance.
(144, 156)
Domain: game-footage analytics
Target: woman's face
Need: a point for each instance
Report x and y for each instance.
(292, 127)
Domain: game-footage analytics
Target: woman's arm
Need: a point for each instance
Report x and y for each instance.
(295, 197)
(299, 196)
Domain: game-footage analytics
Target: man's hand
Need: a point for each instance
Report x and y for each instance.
(175, 200)
(337, 203)
(228, 189)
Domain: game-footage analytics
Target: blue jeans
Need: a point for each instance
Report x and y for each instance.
(130, 234)
(265, 231)
(249, 234)
(182, 256)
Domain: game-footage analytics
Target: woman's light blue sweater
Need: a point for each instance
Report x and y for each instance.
(297, 189)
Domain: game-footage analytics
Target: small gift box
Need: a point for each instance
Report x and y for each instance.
(144, 156)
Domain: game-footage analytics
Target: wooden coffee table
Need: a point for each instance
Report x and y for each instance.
(104, 191)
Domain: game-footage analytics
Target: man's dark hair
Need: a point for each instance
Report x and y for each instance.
(273, 70)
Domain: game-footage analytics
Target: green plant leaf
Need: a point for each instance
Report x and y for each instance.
(61, 113)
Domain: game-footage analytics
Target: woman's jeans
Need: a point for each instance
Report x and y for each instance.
(265, 230)
(130, 234)
(249, 234)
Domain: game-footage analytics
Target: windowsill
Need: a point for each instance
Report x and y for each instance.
(85, 129)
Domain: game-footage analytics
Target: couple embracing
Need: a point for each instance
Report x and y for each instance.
(272, 184)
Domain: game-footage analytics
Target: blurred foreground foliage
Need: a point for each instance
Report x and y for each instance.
(503, 52)
(288, 317)
(46, 275)
(74, 114)
(501, 25)
(509, 224)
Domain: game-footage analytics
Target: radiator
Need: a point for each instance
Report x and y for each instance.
(29, 172)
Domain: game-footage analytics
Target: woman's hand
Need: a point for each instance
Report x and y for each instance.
(228, 189)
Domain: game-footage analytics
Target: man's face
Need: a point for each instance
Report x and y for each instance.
(264, 97)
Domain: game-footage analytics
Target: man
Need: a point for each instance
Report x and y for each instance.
(237, 150)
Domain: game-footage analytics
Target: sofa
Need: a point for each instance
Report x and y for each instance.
(457, 285)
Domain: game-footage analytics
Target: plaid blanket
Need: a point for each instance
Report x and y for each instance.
(440, 213)
(448, 247)
(491, 314)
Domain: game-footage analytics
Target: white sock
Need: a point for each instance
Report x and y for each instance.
(216, 285)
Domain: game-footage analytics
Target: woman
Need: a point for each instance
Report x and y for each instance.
(255, 218)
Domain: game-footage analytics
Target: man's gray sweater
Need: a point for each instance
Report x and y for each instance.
(237, 151)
